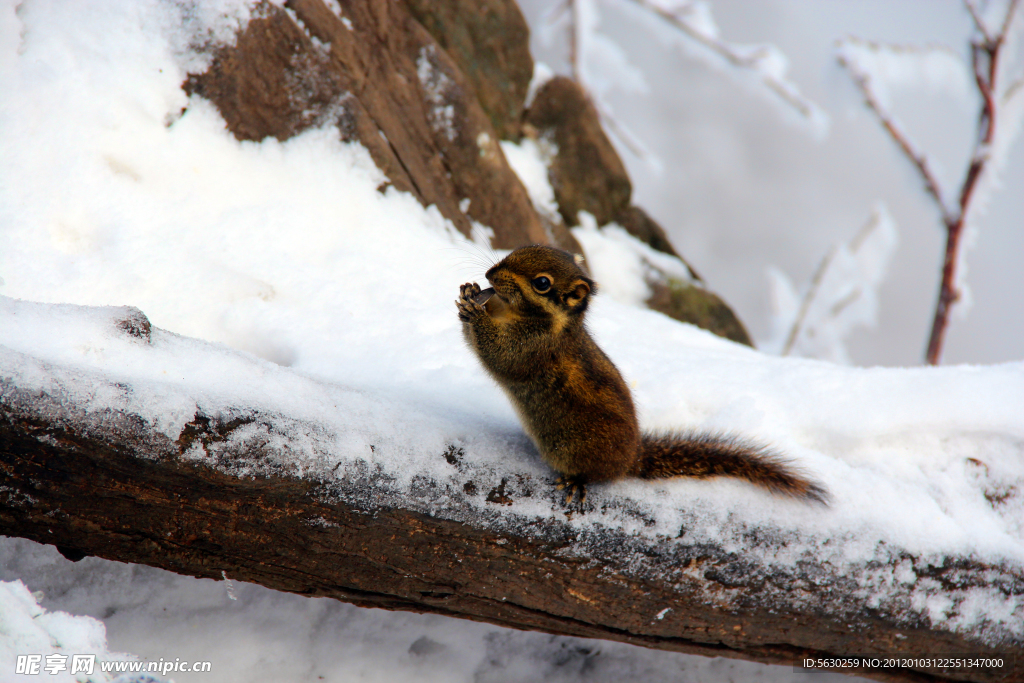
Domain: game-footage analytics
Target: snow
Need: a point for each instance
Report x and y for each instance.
(278, 279)
(530, 160)
(542, 73)
(56, 637)
(623, 266)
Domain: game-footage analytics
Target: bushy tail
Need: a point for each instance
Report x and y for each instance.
(712, 455)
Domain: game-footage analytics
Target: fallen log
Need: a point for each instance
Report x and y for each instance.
(239, 492)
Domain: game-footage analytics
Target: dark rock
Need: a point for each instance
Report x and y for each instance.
(386, 83)
(489, 41)
(641, 226)
(73, 554)
(693, 304)
(586, 173)
(562, 237)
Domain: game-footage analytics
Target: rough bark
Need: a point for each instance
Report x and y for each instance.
(106, 483)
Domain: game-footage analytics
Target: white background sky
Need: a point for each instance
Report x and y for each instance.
(742, 188)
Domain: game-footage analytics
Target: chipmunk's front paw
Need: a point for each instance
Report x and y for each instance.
(469, 309)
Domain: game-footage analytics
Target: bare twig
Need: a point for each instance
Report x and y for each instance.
(1007, 20)
(985, 63)
(978, 22)
(1012, 91)
(985, 54)
(575, 58)
(621, 132)
(748, 61)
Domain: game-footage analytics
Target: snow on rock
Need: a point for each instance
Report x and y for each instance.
(436, 87)
(623, 265)
(542, 73)
(530, 160)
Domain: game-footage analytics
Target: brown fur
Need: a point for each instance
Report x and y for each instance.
(570, 397)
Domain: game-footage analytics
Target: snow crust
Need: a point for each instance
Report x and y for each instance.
(279, 280)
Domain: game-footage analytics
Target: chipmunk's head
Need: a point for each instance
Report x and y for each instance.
(542, 282)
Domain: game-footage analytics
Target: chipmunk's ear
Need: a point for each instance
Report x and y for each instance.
(577, 295)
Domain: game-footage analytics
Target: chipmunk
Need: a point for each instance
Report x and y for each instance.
(528, 332)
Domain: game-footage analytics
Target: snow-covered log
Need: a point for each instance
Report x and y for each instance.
(176, 453)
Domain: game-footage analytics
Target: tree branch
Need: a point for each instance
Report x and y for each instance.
(979, 24)
(984, 63)
(931, 183)
(805, 305)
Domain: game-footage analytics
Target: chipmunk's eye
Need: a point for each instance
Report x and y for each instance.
(541, 284)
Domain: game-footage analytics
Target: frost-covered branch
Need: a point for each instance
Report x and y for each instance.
(583, 18)
(765, 62)
(862, 59)
(805, 304)
(693, 23)
(851, 55)
(842, 294)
